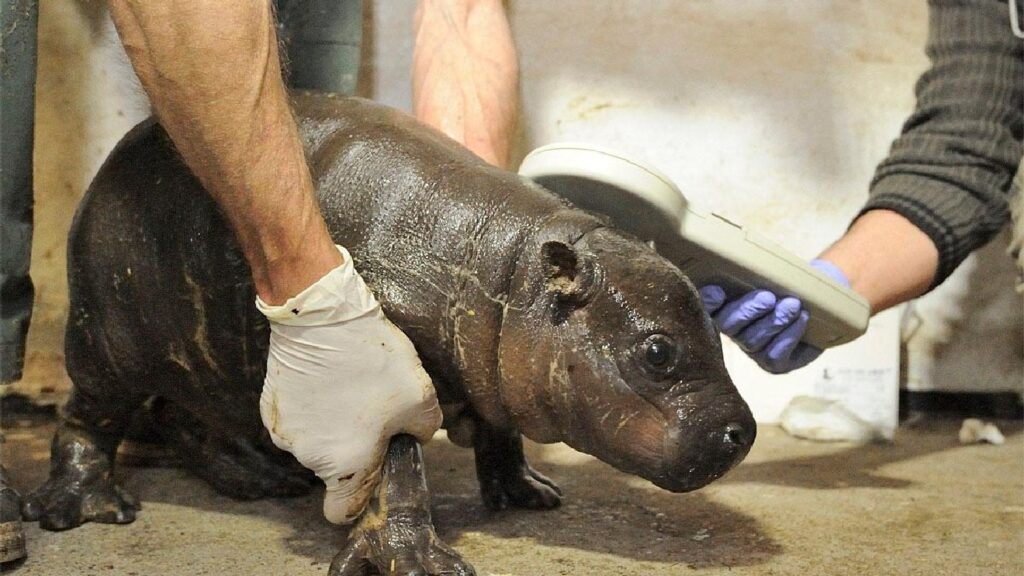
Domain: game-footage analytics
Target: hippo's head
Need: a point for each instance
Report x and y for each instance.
(606, 346)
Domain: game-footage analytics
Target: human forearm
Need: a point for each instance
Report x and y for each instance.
(212, 72)
(465, 74)
(886, 258)
(949, 172)
(213, 75)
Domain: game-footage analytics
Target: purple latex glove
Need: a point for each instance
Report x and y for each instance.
(767, 328)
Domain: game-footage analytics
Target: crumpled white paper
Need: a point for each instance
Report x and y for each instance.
(826, 420)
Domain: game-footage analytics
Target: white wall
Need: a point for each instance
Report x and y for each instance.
(770, 112)
(968, 335)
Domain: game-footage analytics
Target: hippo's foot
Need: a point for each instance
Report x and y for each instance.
(506, 478)
(81, 485)
(12, 534)
(395, 535)
(521, 488)
(400, 546)
(235, 466)
(239, 469)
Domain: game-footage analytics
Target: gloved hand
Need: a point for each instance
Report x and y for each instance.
(341, 381)
(767, 328)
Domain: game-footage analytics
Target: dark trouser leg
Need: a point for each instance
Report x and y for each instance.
(322, 40)
(17, 106)
(1017, 225)
(17, 95)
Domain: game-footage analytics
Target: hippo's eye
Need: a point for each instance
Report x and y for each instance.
(658, 354)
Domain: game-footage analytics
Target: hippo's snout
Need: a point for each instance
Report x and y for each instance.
(702, 446)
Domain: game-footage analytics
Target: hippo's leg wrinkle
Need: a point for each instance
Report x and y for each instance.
(235, 466)
(395, 535)
(81, 485)
(506, 478)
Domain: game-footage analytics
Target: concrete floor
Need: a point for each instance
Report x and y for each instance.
(925, 505)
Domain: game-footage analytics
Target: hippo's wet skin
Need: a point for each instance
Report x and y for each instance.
(531, 316)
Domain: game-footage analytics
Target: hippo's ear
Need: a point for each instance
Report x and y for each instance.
(569, 277)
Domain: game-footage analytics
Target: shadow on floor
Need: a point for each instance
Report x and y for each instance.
(604, 511)
(858, 466)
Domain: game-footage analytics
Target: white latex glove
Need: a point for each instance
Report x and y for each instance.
(341, 381)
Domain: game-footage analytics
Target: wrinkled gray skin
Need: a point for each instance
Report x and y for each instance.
(531, 316)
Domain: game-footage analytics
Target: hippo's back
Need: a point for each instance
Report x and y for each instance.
(161, 297)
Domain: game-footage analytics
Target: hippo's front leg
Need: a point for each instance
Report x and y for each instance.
(506, 478)
(395, 535)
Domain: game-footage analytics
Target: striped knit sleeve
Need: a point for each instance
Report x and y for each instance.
(951, 169)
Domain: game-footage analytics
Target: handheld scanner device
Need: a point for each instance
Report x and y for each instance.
(705, 246)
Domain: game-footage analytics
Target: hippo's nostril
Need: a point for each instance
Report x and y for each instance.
(736, 435)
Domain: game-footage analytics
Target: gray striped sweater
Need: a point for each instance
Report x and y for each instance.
(951, 170)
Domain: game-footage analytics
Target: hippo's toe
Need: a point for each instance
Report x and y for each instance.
(520, 488)
(60, 504)
(413, 548)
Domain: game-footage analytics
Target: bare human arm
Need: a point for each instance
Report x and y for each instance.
(886, 258)
(945, 187)
(213, 75)
(466, 74)
(212, 72)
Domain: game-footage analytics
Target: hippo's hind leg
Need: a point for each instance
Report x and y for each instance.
(506, 478)
(235, 465)
(81, 486)
(395, 535)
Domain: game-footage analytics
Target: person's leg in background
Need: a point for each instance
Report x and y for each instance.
(322, 41)
(18, 20)
(1017, 225)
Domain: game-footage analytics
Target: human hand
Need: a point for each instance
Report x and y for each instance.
(341, 381)
(767, 328)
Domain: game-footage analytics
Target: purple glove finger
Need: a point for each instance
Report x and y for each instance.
(803, 355)
(738, 314)
(775, 357)
(756, 336)
(713, 297)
